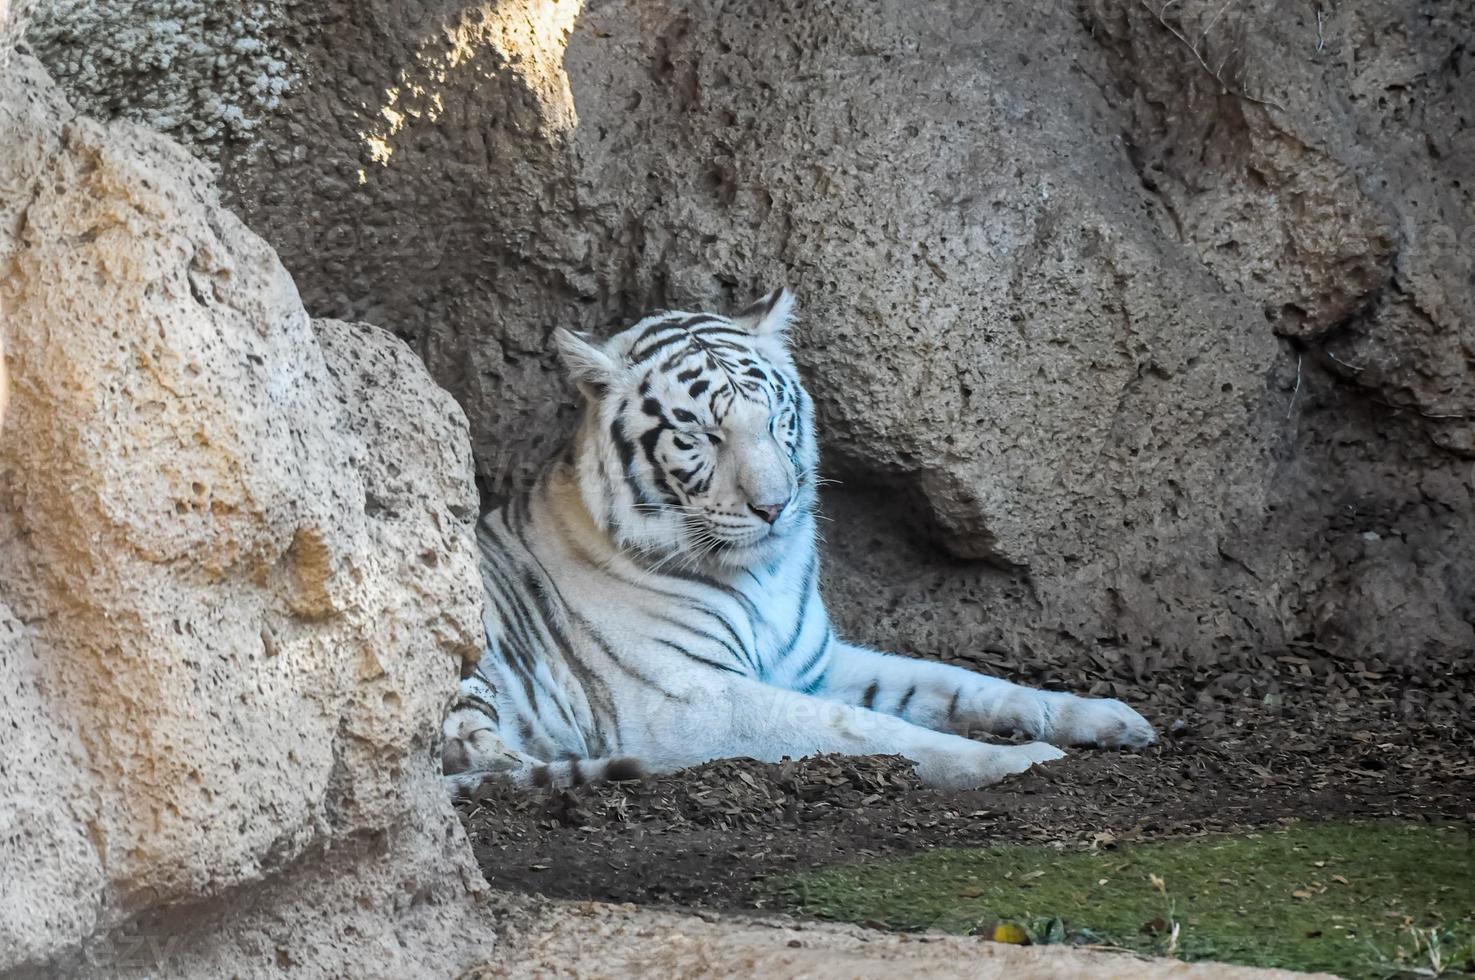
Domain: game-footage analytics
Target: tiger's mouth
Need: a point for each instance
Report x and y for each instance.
(743, 533)
(729, 543)
(751, 545)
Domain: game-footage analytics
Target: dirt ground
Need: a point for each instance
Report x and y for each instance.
(1337, 740)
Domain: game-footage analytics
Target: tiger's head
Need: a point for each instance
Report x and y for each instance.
(697, 443)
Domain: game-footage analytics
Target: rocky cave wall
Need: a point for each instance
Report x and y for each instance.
(237, 583)
(1155, 327)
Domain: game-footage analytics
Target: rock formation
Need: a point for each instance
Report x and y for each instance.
(237, 581)
(1159, 323)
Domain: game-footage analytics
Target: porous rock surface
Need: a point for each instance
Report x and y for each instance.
(589, 940)
(232, 46)
(237, 582)
(1160, 322)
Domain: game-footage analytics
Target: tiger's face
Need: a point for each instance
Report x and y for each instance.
(697, 445)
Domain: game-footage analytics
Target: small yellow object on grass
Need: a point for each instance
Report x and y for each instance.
(1010, 932)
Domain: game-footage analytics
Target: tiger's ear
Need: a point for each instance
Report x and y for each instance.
(770, 315)
(585, 363)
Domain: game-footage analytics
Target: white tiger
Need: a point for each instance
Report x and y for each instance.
(653, 600)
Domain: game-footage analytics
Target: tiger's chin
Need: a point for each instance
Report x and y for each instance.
(748, 553)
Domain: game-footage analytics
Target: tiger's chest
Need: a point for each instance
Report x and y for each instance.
(741, 623)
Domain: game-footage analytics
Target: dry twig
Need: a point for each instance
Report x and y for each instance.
(1194, 46)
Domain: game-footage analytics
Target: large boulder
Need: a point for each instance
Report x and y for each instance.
(1152, 321)
(237, 584)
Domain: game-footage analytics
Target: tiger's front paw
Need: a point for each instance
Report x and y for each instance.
(1102, 722)
(984, 764)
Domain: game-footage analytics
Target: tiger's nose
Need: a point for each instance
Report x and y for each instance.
(769, 512)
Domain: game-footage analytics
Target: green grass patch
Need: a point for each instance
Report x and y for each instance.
(1360, 900)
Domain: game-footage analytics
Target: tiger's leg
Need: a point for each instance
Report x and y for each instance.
(733, 716)
(952, 699)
